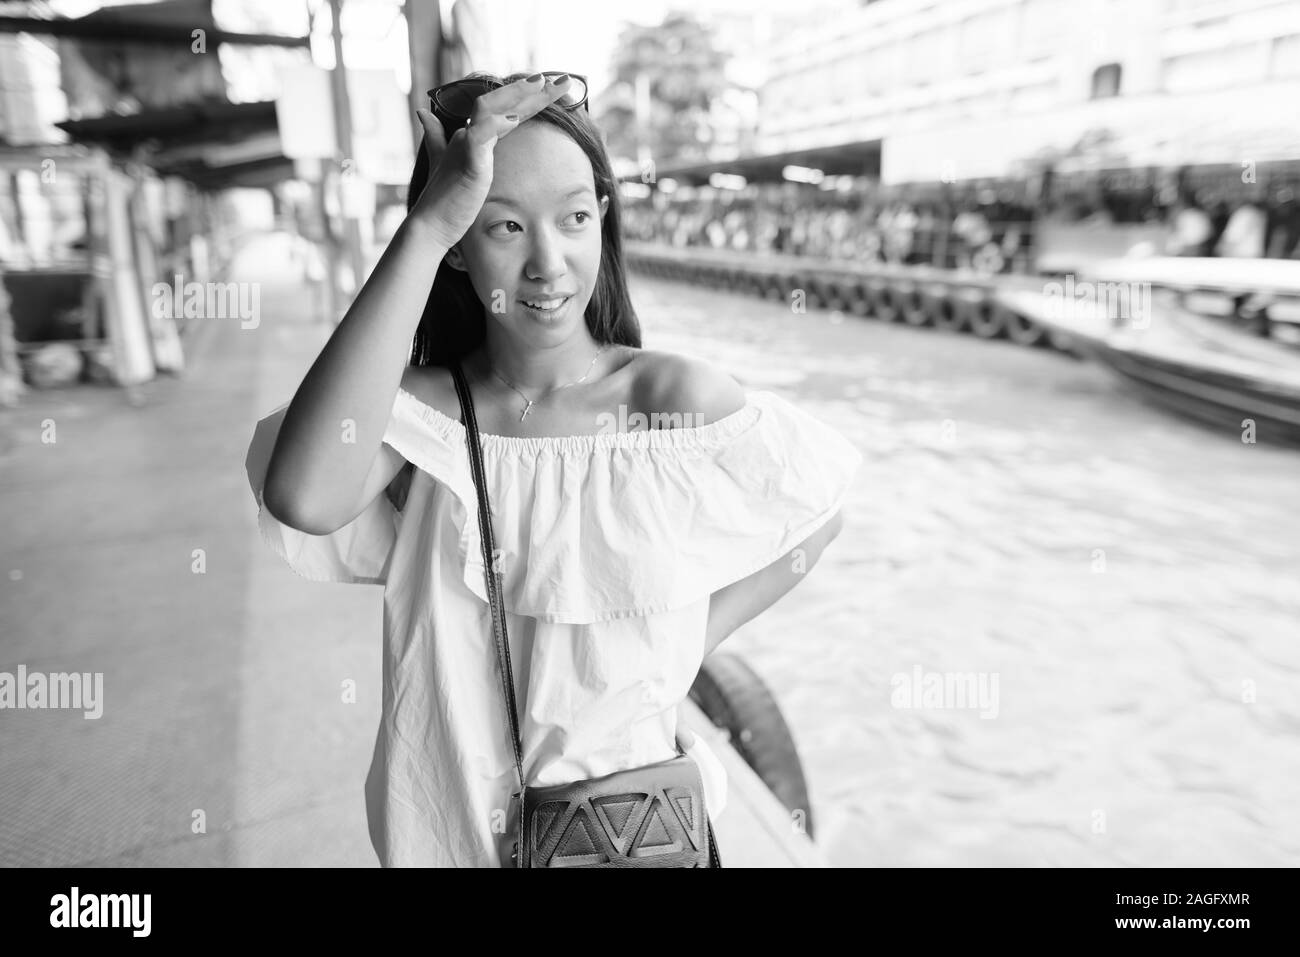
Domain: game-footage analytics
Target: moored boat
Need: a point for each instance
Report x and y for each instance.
(1138, 318)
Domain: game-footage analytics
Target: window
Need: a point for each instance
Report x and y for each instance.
(1105, 81)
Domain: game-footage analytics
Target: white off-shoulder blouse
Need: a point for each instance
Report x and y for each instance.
(609, 547)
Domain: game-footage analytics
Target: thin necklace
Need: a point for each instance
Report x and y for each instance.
(531, 402)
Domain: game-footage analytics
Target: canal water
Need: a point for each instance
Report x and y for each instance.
(1123, 583)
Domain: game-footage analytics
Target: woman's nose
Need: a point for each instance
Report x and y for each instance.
(546, 257)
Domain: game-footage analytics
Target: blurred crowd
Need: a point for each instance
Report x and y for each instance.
(1254, 227)
(987, 230)
(828, 225)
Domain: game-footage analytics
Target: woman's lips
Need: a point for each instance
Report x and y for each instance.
(555, 306)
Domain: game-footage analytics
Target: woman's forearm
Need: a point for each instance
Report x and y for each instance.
(335, 423)
(742, 601)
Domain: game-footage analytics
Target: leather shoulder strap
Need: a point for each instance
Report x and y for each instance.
(491, 578)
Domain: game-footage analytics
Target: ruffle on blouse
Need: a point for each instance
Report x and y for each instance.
(598, 527)
(626, 524)
(357, 553)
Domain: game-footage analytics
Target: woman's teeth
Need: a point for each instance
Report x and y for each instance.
(547, 309)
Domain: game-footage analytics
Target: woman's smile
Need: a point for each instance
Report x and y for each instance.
(546, 309)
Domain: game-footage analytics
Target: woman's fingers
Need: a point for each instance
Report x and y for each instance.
(470, 148)
(504, 99)
(435, 142)
(499, 111)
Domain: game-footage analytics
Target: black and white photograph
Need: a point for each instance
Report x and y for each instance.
(636, 434)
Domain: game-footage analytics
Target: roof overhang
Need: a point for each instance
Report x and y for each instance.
(214, 146)
(846, 159)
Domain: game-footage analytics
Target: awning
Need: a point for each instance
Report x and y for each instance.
(846, 159)
(214, 146)
(1231, 126)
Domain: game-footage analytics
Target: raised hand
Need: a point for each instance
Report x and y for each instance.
(461, 169)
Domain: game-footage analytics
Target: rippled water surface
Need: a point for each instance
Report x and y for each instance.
(1131, 579)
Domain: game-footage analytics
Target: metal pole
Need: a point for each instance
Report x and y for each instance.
(332, 298)
(424, 39)
(343, 131)
(333, 309)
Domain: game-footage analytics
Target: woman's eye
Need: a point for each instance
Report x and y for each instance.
(510, 222)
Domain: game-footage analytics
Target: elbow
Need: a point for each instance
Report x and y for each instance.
(283, 491)
(286, 507)
(305, 522)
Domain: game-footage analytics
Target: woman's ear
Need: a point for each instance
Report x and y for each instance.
(454, 259)
(604, 205)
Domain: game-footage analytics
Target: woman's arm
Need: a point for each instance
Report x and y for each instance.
(333, 429)
(741, 601)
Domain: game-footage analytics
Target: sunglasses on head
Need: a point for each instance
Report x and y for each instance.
(453, 103)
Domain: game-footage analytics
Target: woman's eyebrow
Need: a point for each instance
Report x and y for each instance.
(506, 201)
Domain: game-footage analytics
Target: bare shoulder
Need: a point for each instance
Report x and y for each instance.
(433, 386)
(671, 382)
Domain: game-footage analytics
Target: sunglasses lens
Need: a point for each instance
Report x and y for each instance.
(458, 99)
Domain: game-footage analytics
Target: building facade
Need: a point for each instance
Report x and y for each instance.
(962, 89)
(31, 101)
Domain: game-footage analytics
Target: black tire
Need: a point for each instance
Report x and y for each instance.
(859, 299)
(824, 292)
(986, 321)
(915, 311)
(1060, 342)
(884, 303)
(735, 699)
(945, 311)
(833, 295)
(788, 283)
(818, 294)
(1022, 330)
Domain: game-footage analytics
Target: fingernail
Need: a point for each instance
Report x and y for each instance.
(512, 117)
(560, 81)
(534, 78)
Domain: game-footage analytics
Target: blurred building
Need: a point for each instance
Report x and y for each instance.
(118, 151)
(965, 89)
(744, 31)
(31, 101)
(497, 37)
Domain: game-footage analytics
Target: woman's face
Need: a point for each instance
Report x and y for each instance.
(537, 237)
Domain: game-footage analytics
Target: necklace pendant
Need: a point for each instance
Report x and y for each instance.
(528, 408)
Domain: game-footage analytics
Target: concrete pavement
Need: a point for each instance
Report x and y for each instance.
(130, 548)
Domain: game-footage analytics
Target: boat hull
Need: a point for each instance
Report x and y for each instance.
(1233, 394)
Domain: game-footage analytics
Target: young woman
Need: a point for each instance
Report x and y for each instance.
(643, 504)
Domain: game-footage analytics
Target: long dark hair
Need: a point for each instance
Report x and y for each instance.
(453, 323)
